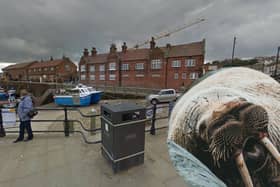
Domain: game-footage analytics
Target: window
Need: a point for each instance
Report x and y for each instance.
(112, 66)
(190, 63)
(45, 69)
(139, 66)
(67, 67)
(184, 75)
(40, 69)
(176, 63)
(92, 77)
(102, 77)
(34, 69)
(83, 68)
(83, 77)
(176, 76)
(166, 92)
(112, 77)
(156, 64)
(125, 67)
(92, 68)
(102, 67)
(52, 68)
(193, 75)
(139, 75)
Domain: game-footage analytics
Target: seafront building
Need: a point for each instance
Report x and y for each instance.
(171, 66)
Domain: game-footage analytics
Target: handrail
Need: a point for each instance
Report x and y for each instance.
(82, 134)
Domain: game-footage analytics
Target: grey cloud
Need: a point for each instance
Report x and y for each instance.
(35, 29)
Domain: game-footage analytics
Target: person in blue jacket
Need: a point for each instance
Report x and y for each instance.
(24, 107)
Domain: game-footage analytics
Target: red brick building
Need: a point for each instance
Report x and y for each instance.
(53, 70)
(154, 67)
(58, 70)
(17, 71)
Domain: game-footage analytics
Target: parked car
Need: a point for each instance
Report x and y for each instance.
(164, 95)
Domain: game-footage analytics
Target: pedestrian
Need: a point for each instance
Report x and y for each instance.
(2, 130)
(24, 107)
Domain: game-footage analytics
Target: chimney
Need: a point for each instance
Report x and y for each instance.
(124, 47)
(93, 51)
(85, 52)
(113, 48)
(51, 58)
(168, 46)
(152, 43)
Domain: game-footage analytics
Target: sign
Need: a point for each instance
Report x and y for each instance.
(149, 113)
(9, 117)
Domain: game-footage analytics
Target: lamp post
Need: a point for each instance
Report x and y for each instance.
(277, 60)
(233, 50)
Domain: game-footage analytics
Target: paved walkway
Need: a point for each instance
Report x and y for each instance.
(51, 160)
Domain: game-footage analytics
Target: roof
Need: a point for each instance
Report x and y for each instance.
(18, 65)
(100, 58)
(49, 63)
(191, 49)
(135, 54)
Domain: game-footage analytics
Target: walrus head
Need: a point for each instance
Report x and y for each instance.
(234, 138)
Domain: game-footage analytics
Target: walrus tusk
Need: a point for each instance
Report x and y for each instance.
(243, 170)
(271, 148)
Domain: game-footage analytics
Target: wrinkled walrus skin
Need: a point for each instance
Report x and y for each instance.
(209, 121)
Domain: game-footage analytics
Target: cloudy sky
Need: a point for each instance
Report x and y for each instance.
(38, 29)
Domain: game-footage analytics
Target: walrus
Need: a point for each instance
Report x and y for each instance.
(230, 122)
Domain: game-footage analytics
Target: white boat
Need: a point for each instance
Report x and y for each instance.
(95, 94)
(73, 97)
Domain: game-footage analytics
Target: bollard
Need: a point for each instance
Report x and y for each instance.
(66, 124)
(153, 129)
(92, 121)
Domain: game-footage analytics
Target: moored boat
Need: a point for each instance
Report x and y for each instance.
(94, 94)
(73, 97)
(3, 94)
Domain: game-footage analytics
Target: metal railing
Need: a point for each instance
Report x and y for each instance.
(154, 117)
(67, 121)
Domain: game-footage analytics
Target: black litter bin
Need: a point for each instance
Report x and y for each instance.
(123, 134)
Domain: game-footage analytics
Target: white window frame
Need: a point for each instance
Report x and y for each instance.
(190, 62)
(125, 67)
(156, 64)
(102, 67)
(184, 76)
(67, 67)
(193, 75)
(83, 77)
(92, 68)
(176, 76)
(176, 63)
(83, 68)
(92, 77)
(112, 77)
(102, 77)
(112, 66)
(139, 66)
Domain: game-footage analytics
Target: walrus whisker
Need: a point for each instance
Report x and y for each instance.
(243, 170)
(225, 140)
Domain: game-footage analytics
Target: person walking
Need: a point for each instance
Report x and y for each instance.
(24, 107)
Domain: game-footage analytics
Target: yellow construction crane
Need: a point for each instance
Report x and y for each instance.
(168, 33)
